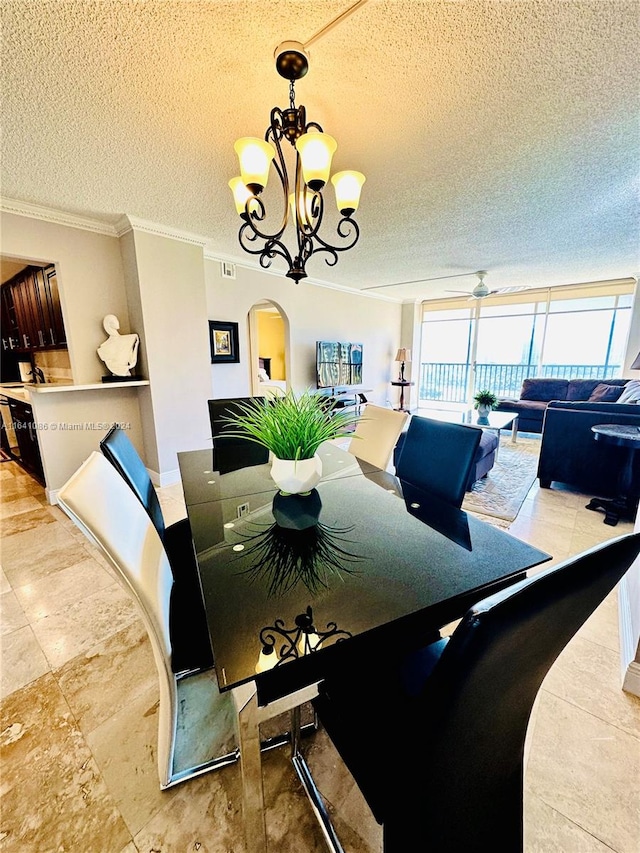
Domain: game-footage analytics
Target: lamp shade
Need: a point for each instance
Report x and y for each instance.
(316, 152)
(241, 195)
(347, 186)
(403, 355)
(255, 156)
(636, 363)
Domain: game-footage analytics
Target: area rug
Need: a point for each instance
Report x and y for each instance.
(501, 493)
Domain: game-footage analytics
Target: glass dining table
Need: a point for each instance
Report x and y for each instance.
(360, 568)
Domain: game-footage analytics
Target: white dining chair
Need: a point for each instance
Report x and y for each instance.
(198, 725)
(376, 434)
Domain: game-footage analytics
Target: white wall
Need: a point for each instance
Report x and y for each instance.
(165, 283)
(314, 313)
(72, 423)
(90, 279)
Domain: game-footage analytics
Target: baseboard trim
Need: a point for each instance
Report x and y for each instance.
(631, 683)
(168, 478)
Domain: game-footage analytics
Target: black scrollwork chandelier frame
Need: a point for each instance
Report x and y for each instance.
(304, 638)
(307, 209)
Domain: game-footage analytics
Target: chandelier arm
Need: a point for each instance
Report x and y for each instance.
(299, 206)
(267, 251)
(317, 212)
(332, 260)
(249, 230)
(348, 229)
(273, 248)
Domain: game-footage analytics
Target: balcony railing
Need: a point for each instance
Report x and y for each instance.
(447, 381)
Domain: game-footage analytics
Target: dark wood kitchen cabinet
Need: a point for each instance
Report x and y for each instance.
(57, 334)
(38, 313)
(25, 306)
(27, 437)
(10, 333)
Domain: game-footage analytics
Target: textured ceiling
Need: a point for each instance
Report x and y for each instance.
(500, 135)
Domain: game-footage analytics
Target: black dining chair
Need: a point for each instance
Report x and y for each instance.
(191, 646)
(233, 451)
(463, 705)
(437, 457)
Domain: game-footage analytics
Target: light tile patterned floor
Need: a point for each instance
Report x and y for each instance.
(79, 713)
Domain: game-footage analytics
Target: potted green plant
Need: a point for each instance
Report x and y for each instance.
(292, 427)
(484, 402)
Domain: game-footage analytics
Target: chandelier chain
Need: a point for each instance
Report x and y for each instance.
(292, 95)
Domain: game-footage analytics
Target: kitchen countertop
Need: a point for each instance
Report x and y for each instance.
(23, 391)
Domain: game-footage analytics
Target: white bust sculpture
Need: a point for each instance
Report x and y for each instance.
(119, 352)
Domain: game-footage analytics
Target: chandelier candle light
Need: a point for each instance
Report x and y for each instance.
(303, 201)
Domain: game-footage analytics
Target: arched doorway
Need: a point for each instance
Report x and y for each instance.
(269, 335)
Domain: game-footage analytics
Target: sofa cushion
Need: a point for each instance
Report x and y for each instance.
(488, 443)
(582, 389)
(630, 392)
(544, 390)
(484, 458)
(604, 393)
(522, 407)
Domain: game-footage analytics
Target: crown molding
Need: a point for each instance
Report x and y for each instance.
(132, 223)
(57, 217)
(211, 255)
(128, 223)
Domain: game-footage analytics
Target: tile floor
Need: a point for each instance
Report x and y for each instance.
(79, 706)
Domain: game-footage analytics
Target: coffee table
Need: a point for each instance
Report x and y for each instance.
(495, 420)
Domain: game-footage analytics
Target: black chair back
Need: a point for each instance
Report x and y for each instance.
(464, 706)
(118, 449)
(232, 452)
(437, 457)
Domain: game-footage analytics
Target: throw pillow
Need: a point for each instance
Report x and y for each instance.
(630, 392)
(604, 393)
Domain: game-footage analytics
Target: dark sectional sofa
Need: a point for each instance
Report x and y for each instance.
(564, 410)
(570, 454)
(537, 393)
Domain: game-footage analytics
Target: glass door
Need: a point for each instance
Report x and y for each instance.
(447, 354)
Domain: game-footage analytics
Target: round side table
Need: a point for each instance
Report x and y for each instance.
(626, 504)
(402, 385)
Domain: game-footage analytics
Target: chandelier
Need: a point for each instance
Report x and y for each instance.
(302, 188)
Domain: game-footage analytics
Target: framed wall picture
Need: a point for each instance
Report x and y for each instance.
(223, 338)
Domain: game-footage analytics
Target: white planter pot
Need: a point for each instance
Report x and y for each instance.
(295, 476)
(483, 410)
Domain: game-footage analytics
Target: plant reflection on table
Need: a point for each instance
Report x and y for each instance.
(297, 547)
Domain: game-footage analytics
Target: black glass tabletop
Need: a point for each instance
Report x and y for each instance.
(351, 560)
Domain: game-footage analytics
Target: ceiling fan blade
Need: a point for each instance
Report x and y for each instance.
(512, 289)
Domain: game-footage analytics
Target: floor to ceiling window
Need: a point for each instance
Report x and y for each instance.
(496, 342)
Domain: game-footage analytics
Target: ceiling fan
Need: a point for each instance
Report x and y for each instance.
(481, 289)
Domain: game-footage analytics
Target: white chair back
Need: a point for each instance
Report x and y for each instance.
(103, 506)
(376, 435)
